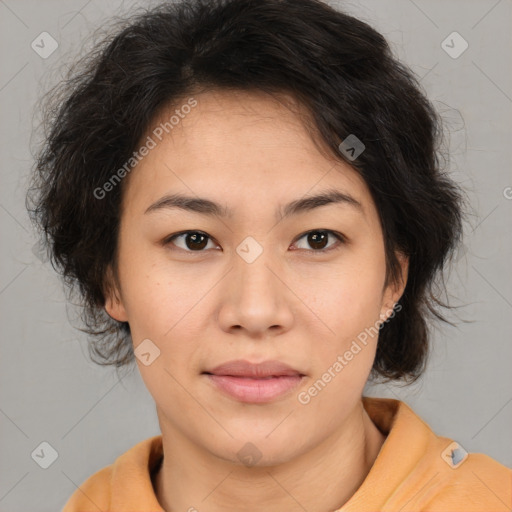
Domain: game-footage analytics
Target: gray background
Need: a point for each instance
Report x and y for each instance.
(51, 392)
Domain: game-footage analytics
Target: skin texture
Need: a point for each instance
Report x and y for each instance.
(252, 154)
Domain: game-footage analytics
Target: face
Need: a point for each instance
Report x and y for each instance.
(253, 280)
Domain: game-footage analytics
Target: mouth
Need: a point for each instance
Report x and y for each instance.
(255, 390)
(254, 383)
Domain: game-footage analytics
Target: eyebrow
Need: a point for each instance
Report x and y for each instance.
(211, 208)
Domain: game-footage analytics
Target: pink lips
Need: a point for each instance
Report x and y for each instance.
(254, 383)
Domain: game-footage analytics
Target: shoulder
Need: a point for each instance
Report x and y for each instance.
(475, 482)
(419, 470)
(456, 479)
(93, 494)
(447, 477)
(124, 484)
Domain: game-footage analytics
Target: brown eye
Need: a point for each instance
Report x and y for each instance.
(194, 241)
(318, 240)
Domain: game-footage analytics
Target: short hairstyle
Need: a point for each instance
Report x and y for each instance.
(336, 66)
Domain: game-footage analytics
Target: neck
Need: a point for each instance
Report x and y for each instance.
(191, 479)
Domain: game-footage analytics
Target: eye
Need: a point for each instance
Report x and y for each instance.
(194, 241)
(318, 240)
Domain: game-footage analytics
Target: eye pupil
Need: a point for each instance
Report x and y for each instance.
(196, 238)
(196, 241)
(317, 239)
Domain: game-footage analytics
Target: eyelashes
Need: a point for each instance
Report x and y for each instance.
(201, 240)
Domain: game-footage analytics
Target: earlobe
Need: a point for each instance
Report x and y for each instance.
(395, 290)
(113, 301)
(115, 309)
(404, 274)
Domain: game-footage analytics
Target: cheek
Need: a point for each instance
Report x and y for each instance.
(347, 306)
(350, 308)
(168, 308)
(149, 293)
(349, 297)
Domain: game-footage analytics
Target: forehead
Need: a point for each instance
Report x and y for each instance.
(229, 123)
(239, 147)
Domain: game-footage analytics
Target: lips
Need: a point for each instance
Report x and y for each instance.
(264, 370)
(255, 383)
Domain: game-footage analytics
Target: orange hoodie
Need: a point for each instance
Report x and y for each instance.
(415, 470)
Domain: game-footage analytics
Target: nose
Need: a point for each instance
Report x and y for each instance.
(255, 298)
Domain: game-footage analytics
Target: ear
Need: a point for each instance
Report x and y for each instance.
(113, 301)
(394, 290)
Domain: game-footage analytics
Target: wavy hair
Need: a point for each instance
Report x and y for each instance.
(338, 67)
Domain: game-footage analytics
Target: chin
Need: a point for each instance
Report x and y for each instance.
(257, 450)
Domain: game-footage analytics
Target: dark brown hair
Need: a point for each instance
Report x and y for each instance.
(335, 65)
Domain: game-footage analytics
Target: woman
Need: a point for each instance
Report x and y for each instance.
(248, 197)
